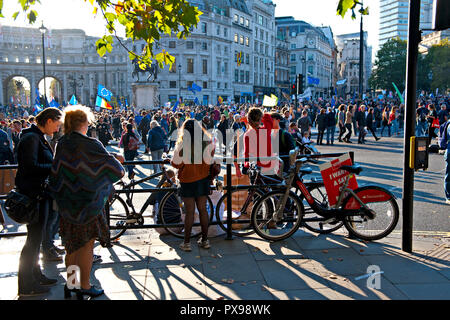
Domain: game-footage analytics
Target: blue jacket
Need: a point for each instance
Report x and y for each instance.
(156, 139)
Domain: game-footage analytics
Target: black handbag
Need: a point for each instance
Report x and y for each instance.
(21, 208)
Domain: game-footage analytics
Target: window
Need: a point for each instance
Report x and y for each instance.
(218, 66)
(218, 85)
(255, 77)
(247, 23)
(27, 60)
(293, 70)
(204, 27)
(189, 84)
(242, 75)
(247, 41)
(205, 84)
(49, 61)
(226, 85)
(242, 20)
(236, 75)
(172, 44)
(190, 65)
(293, 46)
(247, 76)
(247, 59)
(205, 66)
(225, 32)
(293, 57)
(225, 67)
(236, 38)
(260, 20)
(190, 45)
(225, 50)
(204, 46)
(236, 18)
(172, 84)
(255, 64)
(218, 31)
(311, 69)
(58, 61)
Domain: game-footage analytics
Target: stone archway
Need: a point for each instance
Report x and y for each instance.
(17, 90)
(53, 89)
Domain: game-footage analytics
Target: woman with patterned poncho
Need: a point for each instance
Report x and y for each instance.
(81, 181)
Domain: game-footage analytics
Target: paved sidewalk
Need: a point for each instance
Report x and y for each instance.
(305, 266)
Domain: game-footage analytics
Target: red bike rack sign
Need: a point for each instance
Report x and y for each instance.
(334, 178)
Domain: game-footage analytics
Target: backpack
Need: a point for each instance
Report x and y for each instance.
(443, 135)
(133, 143)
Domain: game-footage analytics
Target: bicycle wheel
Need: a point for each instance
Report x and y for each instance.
(383, 207)
(244, 214)
(170, 212)
(319, 195)
(118, 213)
(290, 221)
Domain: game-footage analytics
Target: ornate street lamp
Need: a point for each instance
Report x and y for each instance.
(43, 30)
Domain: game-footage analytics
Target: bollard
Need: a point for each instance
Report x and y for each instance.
(229, 204)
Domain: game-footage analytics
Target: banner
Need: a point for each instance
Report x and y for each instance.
(269, 102)
(306, 94)
(334, 178)
(104, 93)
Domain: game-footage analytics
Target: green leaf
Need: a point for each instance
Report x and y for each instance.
(101, 51)
(344, 6)
(32, 16)
(15, 15)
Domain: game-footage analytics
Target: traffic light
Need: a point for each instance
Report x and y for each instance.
(441, 15)
(294, 89)
(300, 83)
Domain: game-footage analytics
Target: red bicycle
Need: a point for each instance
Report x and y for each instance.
(368, 213)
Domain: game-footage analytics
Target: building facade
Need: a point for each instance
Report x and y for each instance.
(71, 60)
(348, 62)
(433, 38)
(282, 68)
(311, 54)
(394, 18)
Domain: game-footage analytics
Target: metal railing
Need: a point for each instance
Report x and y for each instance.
(228, 188)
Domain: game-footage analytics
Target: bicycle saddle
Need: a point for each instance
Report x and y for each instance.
(356, 168)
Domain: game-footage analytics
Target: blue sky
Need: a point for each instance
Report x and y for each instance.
(77, 14)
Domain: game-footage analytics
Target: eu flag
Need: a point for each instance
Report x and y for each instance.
(104, 93)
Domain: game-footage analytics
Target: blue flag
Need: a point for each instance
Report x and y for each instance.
(104, 93)
(196, 87)
(333, 102)
(36, 109)
(54, 104)
(196, 101)
(175, 106)
(73, 101)
(98, 102)
(37, 101)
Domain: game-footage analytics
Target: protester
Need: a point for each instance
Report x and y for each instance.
(156, 142)
(331, 125)
(348, 124)
(35, 157)
(321, 125)
(81, 182)
(194, 178)
(130, 144)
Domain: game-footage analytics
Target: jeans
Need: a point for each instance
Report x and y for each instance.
(129, 155)
(348, 126)
(421, 129)
(394, 124)
(50, 230)
(29, 269)
(320, 136)
(447, 174)
(156, 155)
(330, 134)
(341, 131)
(385, 126)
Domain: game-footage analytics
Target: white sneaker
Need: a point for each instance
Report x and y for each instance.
(185, 247)
(203, 244)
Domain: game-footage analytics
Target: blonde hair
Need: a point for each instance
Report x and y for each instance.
(75, 116)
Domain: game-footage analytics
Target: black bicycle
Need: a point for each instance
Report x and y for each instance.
(168, 208)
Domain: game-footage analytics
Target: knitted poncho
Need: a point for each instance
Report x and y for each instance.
(82, 177)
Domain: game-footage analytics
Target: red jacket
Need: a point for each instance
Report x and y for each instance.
(254, 140)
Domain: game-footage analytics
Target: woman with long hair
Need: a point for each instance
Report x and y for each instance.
(385, 122)
(369, 123)
(348, 123)
(130, 144)
(193, 158)
(393, 120)
(341, 121)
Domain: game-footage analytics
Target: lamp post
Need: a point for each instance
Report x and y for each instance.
(105, 79)
(76, 82)
(43, 30)
(179, 82)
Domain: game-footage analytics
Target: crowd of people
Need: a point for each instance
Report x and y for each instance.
(49, 146)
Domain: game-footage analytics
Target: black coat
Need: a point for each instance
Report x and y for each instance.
(331, 119)
(369, 120)
(360, 118)
(34, 157)
(321, 122)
